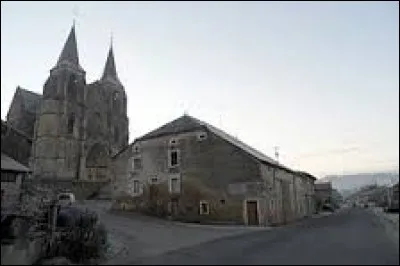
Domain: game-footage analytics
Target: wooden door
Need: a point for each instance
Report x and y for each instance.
(252, 214)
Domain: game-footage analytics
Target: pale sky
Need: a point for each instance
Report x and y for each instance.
(318, 79)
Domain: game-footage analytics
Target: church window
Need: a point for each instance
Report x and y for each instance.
(116, 134)
(72, 85)
(71, 120)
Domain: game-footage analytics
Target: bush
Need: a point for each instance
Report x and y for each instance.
(81, 238)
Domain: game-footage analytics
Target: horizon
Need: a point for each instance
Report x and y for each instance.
(318, 80)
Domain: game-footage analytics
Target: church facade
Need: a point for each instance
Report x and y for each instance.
(75, 127)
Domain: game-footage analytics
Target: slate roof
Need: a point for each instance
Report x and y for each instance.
(110, 71)
(30, 99)
(6, 126)
(188, 123)
(307, 175)
(10, 164)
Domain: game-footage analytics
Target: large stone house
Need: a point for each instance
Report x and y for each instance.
(74, 127)
(188, 169)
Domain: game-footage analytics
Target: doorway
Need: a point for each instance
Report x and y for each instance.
(252, 212)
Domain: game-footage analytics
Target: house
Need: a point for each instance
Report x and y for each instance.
(190, 170)
(12, 176)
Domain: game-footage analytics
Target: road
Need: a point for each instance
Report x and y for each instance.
(351, 237)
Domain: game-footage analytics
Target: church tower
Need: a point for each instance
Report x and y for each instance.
(117, 105)
(59, 135)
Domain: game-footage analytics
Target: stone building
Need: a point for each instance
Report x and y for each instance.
(75, 127)
(12, 176)
(190, 170)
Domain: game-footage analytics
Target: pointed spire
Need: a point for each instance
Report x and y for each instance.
(110, 72)
(69, 53)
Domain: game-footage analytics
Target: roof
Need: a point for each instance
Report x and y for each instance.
(307, 174)
(30, 99)
(188, 123)
(110, 71)
(69, 54)
(10, 164)
(122, 150)
(6, 126)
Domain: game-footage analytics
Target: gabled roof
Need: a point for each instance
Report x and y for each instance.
(182, 124)
(9, 164)
(307, 175)
(188, 123)
(30, 99)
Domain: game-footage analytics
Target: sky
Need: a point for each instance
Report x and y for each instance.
(319, 80)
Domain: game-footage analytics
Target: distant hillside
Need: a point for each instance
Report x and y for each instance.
(349, 183)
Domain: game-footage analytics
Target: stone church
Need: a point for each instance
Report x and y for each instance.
(75, 127)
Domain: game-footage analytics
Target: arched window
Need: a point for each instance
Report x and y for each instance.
(116, 134)
(72, 87)
(71, 121)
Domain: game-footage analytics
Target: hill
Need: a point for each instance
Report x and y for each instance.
(347, 184)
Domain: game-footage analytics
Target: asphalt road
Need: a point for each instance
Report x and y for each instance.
(351, 237)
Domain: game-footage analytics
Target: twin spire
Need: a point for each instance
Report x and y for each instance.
(69, 56)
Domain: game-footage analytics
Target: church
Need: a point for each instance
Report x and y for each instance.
(74, 128)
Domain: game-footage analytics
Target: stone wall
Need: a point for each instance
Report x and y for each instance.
(10, 190)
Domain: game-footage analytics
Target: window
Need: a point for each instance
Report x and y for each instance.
(172, 142)
(8, 177)
(222, 201)
(136, 187)
(153, 180)
(135, 148)
(173, 158)
(174, 184)
(201, 136)
(71, 121)
(204, 208)
(137, 163)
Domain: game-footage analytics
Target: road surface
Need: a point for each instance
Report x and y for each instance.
(350, 237)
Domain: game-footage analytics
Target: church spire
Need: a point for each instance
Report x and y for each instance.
(69, 54)
(110, 72)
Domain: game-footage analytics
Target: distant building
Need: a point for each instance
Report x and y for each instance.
(188, 169)
(323, 194)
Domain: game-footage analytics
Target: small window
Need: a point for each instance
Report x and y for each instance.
(173, 158)
(71, 121)
(173, 142)
(8, 177)
(136, 187)
(201, 136)
(174, 184)
(135, 148)
(204, 208)
(137, 163)
(153, 180)
(222, 201)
